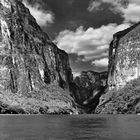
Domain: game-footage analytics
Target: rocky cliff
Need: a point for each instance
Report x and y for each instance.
(89, 86)
(124, 57)
(32, 68)
(124, 67)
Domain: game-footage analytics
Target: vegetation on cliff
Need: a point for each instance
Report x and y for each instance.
(50, 100)
(122, 101)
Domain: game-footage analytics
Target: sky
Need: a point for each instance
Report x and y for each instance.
(84, 28)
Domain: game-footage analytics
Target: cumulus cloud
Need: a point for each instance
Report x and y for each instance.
(116, 4)
(128, 9)
(132, 12)
(42, 17)
(92, 43)
(75, 74)
(101, 62)
(94, 5)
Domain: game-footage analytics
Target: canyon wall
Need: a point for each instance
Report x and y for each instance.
(29, 61)
(123, 76)
(89, 86)
(124, 57)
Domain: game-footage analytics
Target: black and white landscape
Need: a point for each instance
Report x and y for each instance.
(38, 76)
(73, 57)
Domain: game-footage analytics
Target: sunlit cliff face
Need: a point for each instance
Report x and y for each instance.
(124, 57)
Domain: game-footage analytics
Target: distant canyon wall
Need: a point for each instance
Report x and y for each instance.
(87, 89)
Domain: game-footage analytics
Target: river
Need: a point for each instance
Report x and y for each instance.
(80, 127)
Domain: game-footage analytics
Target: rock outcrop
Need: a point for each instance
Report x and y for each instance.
(124, 70)
(89, 86)
(30, 63)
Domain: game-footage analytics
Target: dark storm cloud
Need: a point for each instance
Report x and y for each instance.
(72, 14)
(128, 9)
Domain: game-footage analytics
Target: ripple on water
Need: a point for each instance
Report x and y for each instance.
(82, 127)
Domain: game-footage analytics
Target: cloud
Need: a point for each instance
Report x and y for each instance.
(132, 12)
(97, 4)
(92, 43)
(42, 17)
(114, 4)
(128, 9)
(94, 5)
(75, 74)
(101, 62)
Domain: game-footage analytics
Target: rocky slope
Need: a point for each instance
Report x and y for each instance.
(122, 101)
(32, 68)
(89, 86)
(124, 66)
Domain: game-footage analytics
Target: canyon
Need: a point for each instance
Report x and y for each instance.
(36, 77)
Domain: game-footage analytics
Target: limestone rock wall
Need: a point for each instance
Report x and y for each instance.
(33, 71)
(124, 57)
(28, 58)
(123, 77)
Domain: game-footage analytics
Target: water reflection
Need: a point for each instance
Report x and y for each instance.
(89, 127)
(84, 127)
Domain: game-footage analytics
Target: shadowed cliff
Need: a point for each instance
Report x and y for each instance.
(87, 89)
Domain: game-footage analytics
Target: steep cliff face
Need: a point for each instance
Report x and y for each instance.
(29, 61)
(124, 70)
(124, 57)
(90, 86)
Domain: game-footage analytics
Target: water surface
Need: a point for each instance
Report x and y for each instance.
(82, 127)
